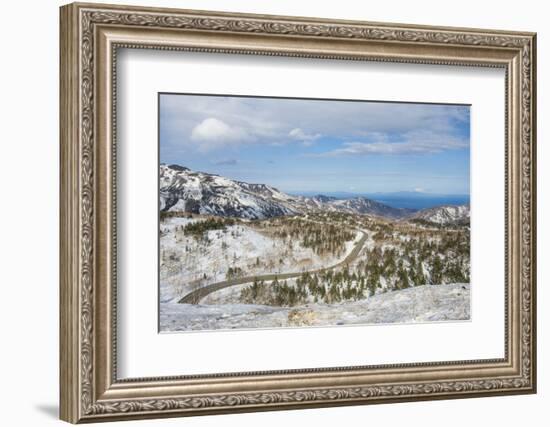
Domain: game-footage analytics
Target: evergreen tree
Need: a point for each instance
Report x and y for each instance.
(372, 283)
(437, 271)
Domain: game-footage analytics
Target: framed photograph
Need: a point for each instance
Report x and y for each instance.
(253, 234)
(266, 212)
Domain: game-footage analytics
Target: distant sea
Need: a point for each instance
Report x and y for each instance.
(423, 202)
(403, 199)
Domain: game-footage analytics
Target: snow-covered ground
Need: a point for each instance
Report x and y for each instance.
(187, 263)
(418, 304)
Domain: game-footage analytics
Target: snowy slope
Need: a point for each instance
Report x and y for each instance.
(186, 262)
(418, 304)
(184, 190)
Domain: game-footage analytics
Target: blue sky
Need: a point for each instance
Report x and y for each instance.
(320, 146)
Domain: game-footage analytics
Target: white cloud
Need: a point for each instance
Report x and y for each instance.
(306, 138)
(212, 129)
(413, 142)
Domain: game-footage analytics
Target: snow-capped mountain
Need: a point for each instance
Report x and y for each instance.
(182, 189)
(444, 214)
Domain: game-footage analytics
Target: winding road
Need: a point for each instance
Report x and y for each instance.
(197, 295)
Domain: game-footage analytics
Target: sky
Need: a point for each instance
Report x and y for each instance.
(305, 145)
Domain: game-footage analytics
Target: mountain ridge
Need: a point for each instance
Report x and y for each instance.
(191, 191)
(446, 214)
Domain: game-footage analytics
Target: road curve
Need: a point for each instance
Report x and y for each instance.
(197, 295)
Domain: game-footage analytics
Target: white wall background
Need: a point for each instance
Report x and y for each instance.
(29, 170)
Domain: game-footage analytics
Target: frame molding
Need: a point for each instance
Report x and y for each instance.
(90, 37)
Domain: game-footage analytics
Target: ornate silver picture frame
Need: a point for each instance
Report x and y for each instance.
(92, 36)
